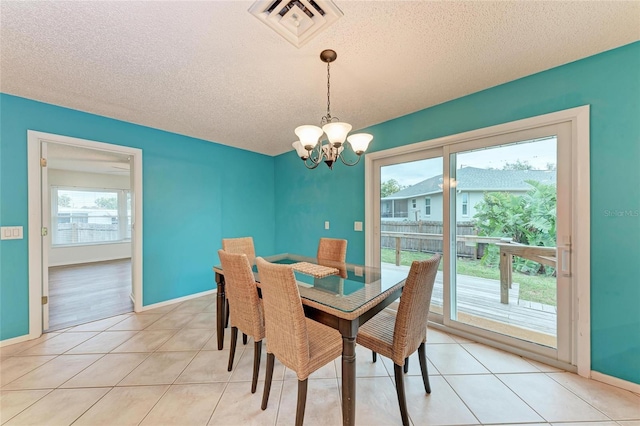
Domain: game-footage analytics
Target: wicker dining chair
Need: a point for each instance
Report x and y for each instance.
(245, 306)
(242, 245)
(332, 249)
(397, 336)
(301, 344)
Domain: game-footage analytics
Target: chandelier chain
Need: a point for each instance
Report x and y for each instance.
(328, 93)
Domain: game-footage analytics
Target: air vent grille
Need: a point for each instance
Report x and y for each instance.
(298, 21)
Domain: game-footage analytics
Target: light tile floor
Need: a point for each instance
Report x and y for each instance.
(161, 367)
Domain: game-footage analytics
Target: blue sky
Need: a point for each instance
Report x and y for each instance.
(538, 154)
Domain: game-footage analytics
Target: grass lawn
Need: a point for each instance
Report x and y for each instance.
(536, 288)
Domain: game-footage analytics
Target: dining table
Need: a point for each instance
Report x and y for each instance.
(340, 295)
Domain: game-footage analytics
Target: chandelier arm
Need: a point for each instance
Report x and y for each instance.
(349, 164)
(312, 166)
(316, 154)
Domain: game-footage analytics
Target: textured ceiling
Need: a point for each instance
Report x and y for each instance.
(213, 71)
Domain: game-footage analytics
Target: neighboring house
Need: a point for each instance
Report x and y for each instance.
(423, 201)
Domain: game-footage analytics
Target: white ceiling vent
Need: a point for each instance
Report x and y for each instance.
(298, 21)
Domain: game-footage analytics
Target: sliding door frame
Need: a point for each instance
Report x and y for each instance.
(580, 201)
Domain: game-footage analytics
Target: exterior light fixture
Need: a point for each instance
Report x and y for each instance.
(309, 147)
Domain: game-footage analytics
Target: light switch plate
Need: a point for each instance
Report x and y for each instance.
(11, 233)
(357, 226)
(326, 224)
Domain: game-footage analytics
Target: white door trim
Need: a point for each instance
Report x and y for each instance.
(34, 138)
(580, 257)
(45, 222)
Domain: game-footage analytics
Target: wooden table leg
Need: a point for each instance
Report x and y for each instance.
(220, 310)
(349, 375)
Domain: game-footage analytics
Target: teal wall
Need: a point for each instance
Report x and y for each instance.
(206, 191)
(610, 83)
(194, 194)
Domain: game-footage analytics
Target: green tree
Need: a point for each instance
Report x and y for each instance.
(107, 203)
(64, 200)
(527, 219)
(389, 187)
(518, 165)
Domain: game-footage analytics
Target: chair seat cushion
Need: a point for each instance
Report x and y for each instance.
(377, 334)
(325, 345)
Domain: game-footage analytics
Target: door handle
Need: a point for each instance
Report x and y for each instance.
(565, 262)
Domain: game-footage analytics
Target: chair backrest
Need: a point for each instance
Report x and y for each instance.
(242, 292)
(285, 324)
(332, 249)
(242, 245)
(413, 310)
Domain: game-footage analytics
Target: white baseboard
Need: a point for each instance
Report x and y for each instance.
(614, 381)
(18, 339)
(178, 300)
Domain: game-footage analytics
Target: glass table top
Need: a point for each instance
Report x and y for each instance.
(348, 290)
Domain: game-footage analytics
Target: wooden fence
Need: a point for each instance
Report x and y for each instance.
(432, 244)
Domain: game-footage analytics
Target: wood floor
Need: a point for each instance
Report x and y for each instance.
(87, 292)
(479, 305)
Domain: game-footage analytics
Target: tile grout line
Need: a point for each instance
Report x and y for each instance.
(579, 397)
(454, 390)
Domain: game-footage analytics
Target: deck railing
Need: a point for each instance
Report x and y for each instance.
(543, 255)
(468, 240)
(508, 249)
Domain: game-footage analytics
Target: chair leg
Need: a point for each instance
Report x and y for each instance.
(271, 358)
(244, 339)
(257, 353)
(402, 401)
(423, 367)
(406, 365)
(374, 356)
(226, 322)
(302, 401)
(232, 350)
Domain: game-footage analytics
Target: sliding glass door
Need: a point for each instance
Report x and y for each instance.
(507, 189)
(498, 209)
(411, 216)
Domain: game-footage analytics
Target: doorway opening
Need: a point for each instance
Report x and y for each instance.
(86, 261)
(89, 206)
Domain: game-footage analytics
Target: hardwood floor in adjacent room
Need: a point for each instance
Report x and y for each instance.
(87, 292)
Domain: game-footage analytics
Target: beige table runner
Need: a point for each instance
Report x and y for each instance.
(314, 270)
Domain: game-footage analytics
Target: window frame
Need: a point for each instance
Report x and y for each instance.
(464, 204)
(123, 216)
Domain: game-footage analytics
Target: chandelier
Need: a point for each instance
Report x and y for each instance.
(311, 151)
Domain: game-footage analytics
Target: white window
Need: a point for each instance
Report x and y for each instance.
(427, 206)
(90, 216)
(465, 204)
(414, 203)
